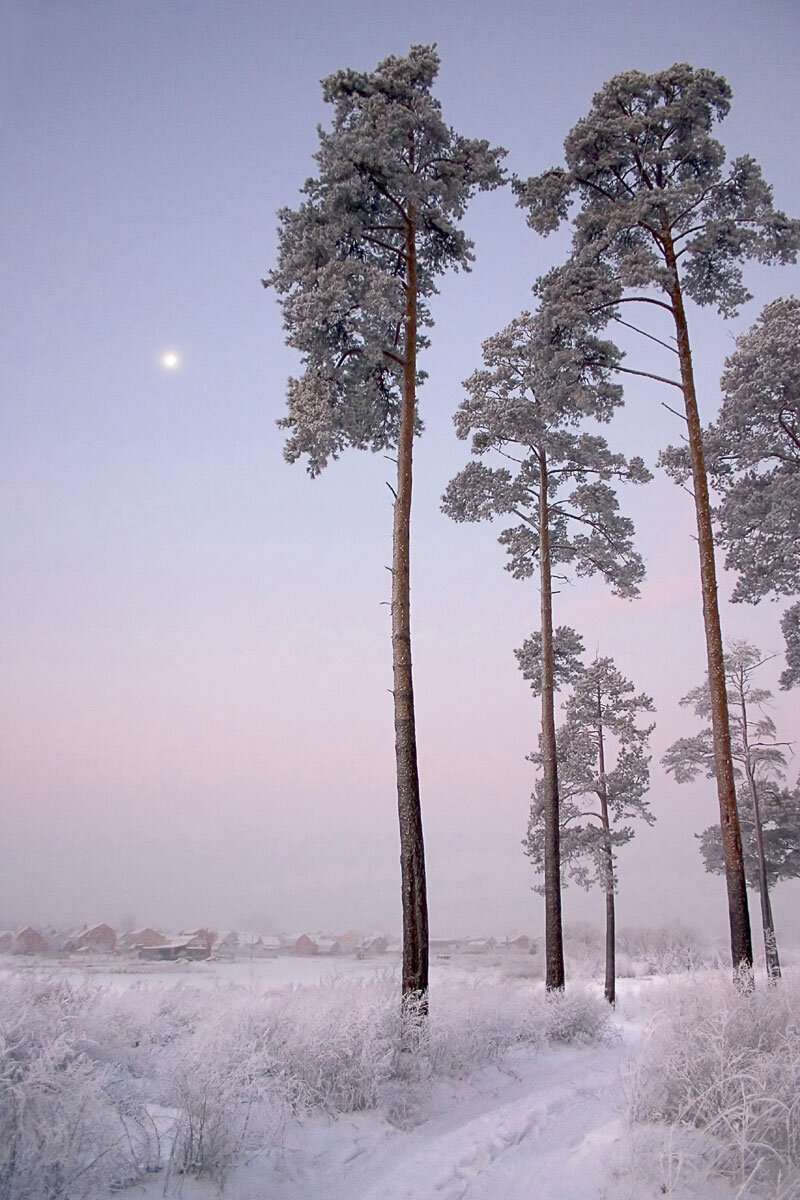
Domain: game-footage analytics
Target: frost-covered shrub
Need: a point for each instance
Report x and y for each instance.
(69, 1123)
(332, 1046)
(97, 1087)
(472, 1026)
(228, 1107)
(727, 1062)
(584, 949)
(576, 1017)
(664, 949)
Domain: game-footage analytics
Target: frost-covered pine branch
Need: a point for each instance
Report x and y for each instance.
(753, 457)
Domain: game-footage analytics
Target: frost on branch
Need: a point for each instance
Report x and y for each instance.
(647, 174)
(389, 169)
(567, 665)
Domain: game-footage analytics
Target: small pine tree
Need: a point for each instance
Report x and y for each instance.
(759, 761)
(602, 758)
(779, 829)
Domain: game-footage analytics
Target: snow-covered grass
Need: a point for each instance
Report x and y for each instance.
(100, 1087)
(720, 1067)
(316, 1090)
(71, 1117)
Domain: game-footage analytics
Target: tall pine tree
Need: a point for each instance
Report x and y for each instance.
(542, 378)
(357, 263)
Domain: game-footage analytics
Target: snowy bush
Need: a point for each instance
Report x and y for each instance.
(663, 949)
(228, 1107)
(584, 950)
(472, 1026)
(332, 1045)
(68, 1120)
(726, 1062)
(97, 1087)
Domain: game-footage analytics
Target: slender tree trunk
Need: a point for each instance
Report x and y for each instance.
(738, 913)
(553, 936)
(608, 854)
(412, 852)
(767, 924)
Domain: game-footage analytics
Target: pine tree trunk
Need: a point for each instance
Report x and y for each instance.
(553, 936)
(610, 990)
(412, 852)
(767, 924)
(738, 913)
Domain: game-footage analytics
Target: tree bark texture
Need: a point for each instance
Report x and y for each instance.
(608, 855)
(738, 912)
(412, 853)
(553, 935)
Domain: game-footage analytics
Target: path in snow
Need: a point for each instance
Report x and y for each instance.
(523, 1148)
(545, 1132)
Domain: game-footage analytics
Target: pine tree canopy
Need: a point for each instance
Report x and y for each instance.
(779, 809)
(790, 626)
(754, 738)
(389, 169)
(543, 375)
(567, 664)
(649, 180)
(603, 772)
(753, 457)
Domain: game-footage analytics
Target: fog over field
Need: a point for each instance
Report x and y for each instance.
(197, 722)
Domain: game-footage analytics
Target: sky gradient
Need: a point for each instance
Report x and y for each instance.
(196, 723)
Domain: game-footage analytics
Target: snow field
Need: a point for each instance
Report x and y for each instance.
(321, 1092)
(102, 1087)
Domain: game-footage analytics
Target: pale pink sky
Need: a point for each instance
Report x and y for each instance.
(197, 725)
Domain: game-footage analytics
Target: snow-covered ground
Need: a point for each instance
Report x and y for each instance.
(539, 1122)
(265, 974)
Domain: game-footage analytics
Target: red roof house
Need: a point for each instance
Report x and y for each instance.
(29, 941)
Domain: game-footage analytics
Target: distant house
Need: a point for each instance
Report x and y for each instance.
(350, 941)
(376, 944)
(99, 938)
(6, 940)
(28, 941)
(301, 944)
(142, 937)
(251, 945)
(207, 936)
(444, 947)
(481, 945)
(193, 948)
(225, 945)
(328, 945)
(523, 943)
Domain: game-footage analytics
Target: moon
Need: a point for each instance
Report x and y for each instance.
(170, 360)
